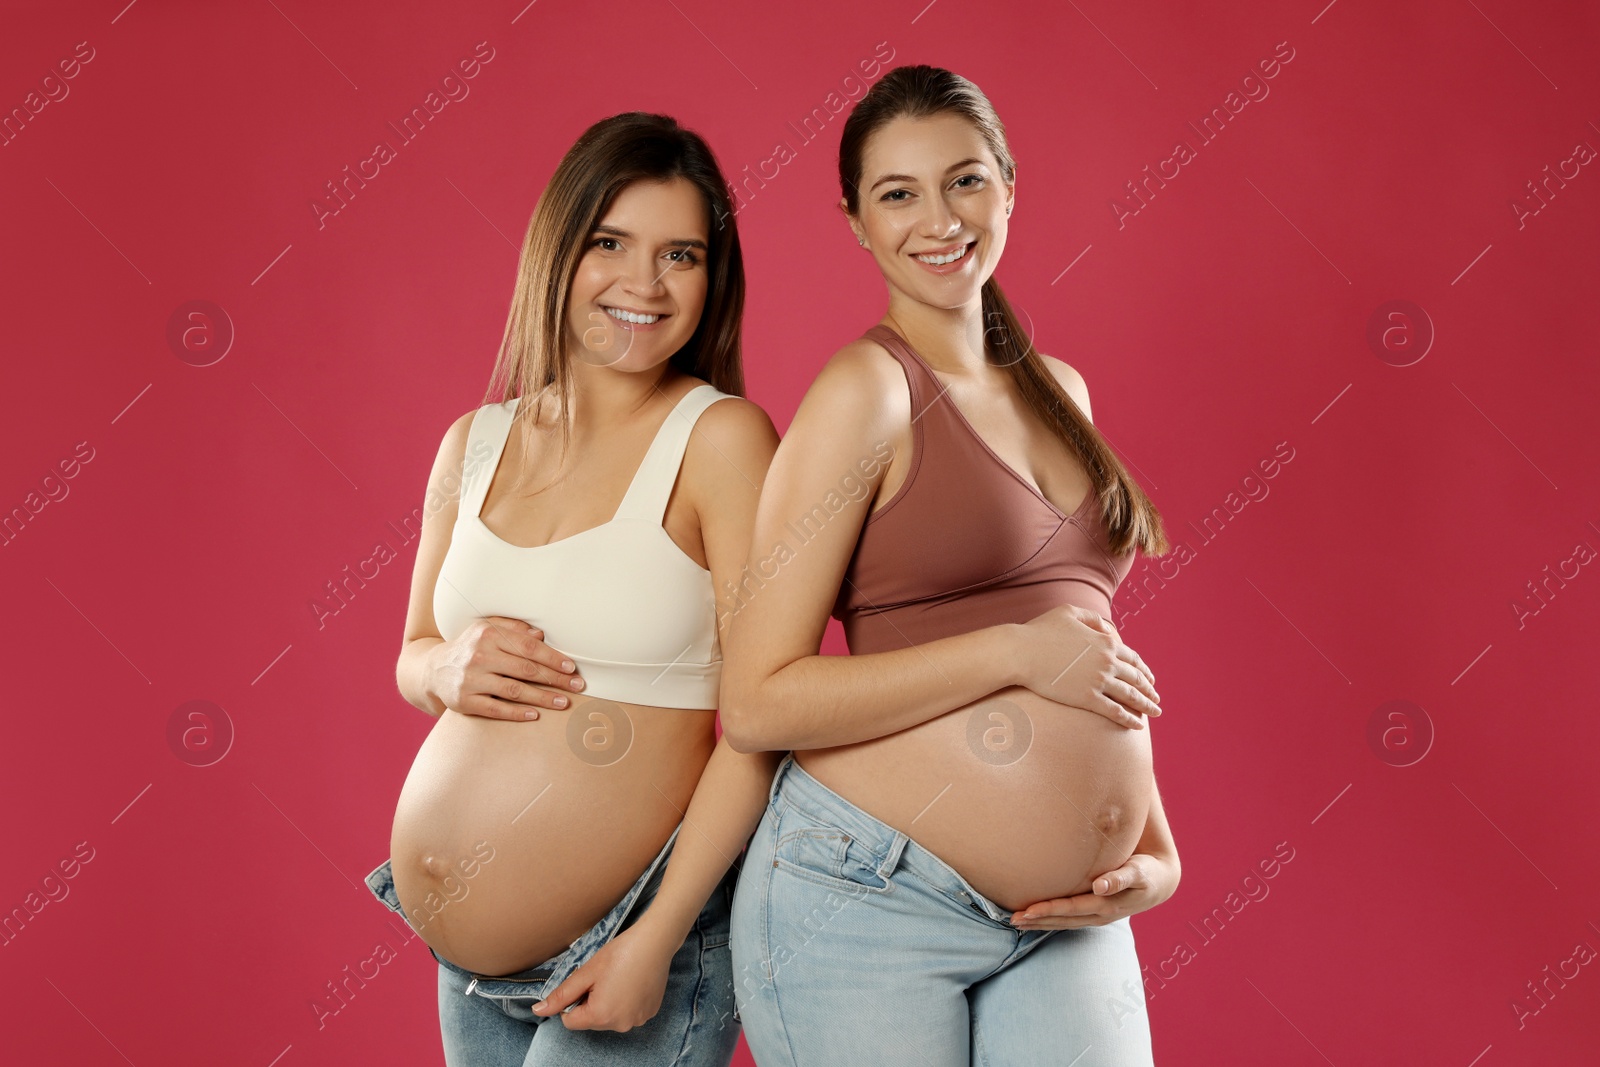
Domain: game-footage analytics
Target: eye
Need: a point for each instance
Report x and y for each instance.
(602, 240)
(892, 192)
(976, 179)
(685, 256)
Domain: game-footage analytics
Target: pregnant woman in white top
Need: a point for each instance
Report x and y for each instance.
(563, 629)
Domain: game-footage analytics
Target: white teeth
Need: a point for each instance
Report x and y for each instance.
(628, 316)
(939, 261)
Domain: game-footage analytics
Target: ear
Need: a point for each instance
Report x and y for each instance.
(855, 229)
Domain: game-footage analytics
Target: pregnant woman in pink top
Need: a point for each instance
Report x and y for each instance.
(942, 491)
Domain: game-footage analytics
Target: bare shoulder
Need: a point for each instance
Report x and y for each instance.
(861, 387)
(443, 495)
(459, 458)
(862, 362)
(453, 447)
(732, 437)
(734, 420)
(455, 438)
(1071, 381)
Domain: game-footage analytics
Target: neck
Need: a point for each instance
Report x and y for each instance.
(950, 340)
(602, 397)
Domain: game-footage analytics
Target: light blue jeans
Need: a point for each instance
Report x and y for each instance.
(854, 944)
(488, 1020)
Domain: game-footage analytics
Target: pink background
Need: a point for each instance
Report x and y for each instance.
(1229, 315)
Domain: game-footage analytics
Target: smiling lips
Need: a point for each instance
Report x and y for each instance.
(938, 260)
(633, 318)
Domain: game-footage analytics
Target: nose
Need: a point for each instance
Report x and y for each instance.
(939, 222)
(643, 276)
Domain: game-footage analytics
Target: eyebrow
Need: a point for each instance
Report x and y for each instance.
(690, 242)
(908, 178)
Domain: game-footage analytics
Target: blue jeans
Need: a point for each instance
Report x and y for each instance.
(488, 1020)
(854, 944)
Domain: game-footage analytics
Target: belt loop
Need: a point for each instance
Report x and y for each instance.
(891, 859)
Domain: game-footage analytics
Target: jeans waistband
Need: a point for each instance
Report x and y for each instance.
(892, 847)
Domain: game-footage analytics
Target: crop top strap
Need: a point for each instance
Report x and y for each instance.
(652, 483)
(486, 440)
(926, 389)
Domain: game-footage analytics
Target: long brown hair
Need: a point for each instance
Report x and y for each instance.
(606, 158)
(921, 91)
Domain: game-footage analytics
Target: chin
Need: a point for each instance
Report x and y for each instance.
(639, 362)
(952, 299)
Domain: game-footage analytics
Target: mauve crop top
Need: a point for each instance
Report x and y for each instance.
(966, 542)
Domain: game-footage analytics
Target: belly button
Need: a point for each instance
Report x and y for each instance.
(1111, 820)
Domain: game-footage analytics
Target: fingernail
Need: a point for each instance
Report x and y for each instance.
(530, 715)
(561, 702)
(566, 664)
(538, 1004)
(577, 683)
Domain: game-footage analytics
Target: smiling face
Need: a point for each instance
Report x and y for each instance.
(933, 208)
(641, 284)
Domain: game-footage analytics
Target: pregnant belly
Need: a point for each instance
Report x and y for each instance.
(512, 838)
(1027, 799)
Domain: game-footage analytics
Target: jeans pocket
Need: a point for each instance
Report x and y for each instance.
(381, 883)
(825, 855)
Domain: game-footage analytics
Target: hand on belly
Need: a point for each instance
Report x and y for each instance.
(1026, 799)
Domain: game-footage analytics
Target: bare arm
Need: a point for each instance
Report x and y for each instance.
(734, 450)
(778, 693)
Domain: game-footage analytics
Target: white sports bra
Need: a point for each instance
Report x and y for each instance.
(621, 600)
